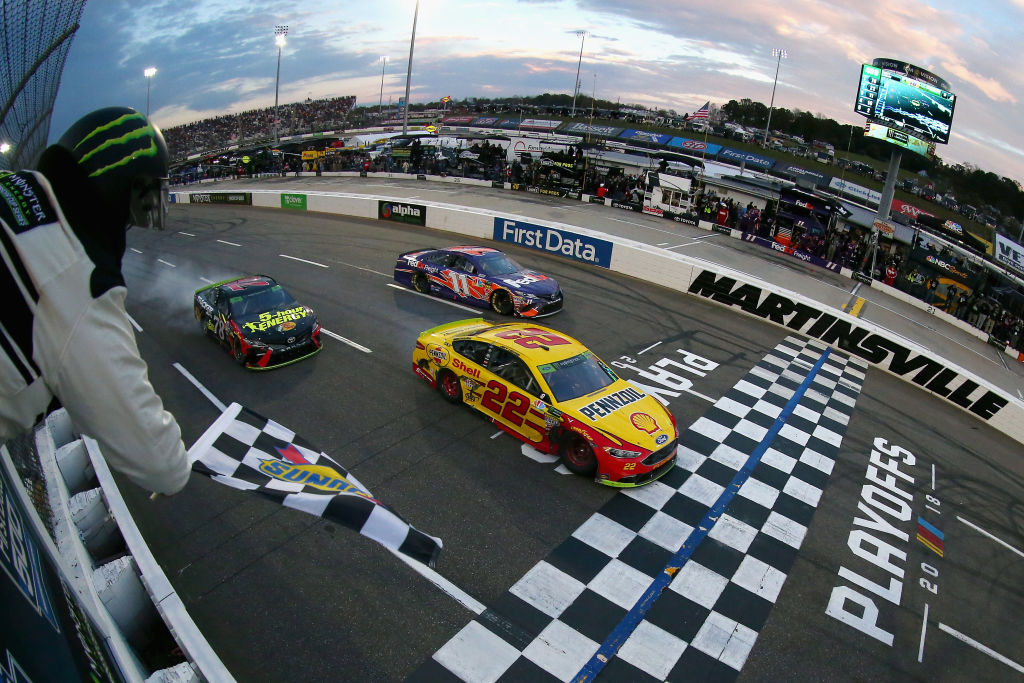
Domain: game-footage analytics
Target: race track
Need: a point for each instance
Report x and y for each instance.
(285, 596)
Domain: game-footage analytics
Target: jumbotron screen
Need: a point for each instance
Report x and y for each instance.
(900, 138)
(906, 97)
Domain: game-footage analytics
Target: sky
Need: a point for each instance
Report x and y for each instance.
(218, 56)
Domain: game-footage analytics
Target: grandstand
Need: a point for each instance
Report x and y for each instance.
(255, 127)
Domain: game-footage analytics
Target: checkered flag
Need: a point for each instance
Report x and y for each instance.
(248, 452)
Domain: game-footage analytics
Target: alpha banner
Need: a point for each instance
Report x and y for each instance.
(246, 451)
(698, 146)
(293, 201)
(400, 212)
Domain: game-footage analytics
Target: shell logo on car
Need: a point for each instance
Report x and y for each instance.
(644, 422)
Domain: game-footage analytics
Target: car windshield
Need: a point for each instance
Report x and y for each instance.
(495, 263)
(576, 376)
(251, 304)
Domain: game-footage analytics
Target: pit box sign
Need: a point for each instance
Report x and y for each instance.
(293, 201)
(400, 212)
(222, 198)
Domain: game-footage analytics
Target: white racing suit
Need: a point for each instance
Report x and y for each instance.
(63, 335)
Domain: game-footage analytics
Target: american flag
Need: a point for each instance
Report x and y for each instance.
(248, 452)
(701, 113)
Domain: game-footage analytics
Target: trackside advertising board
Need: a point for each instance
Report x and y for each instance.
(400, 212)
(222, 198)
(1009, 253)
(293, 201)
(578, 247)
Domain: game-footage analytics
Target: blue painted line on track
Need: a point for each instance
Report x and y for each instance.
(633, 618)
(938, 534)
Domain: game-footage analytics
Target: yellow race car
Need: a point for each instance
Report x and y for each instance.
(549, 390)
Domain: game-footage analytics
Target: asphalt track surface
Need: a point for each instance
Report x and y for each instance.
(284, 596)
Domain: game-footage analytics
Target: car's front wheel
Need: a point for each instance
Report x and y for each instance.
(578, 455)
(236, 350)
(449, 386)
(420, 283)
(501, 302)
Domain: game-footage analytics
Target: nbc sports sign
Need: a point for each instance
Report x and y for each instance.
(400, 212)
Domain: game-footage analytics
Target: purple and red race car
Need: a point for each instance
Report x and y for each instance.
(480, 276)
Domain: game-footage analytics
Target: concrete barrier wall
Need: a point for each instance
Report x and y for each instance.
(741, 292)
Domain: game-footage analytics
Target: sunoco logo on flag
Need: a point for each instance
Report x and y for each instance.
(251, 453)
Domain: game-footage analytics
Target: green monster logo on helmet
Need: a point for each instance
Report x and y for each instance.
(146, 133)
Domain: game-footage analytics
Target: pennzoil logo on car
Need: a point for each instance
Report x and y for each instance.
(438, 353)
(644, 422)
(603, 407)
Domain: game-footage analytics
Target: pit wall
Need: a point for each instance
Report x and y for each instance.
(745, 294)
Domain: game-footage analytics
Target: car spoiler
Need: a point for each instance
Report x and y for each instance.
(458, 326)
(417, 251)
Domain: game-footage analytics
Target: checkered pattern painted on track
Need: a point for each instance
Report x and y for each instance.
(550, 624)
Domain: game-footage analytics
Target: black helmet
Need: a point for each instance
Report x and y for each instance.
(126, 157)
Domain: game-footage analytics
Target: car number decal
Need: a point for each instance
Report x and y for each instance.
(510, 406)
(532, 338)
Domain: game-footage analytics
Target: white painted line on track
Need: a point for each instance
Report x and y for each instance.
(461, 596)
(351, 343)
(985, 533)
(496, 434)
(138, 328)
(1002, 360)
(166, 263)
(186, 234)
(136, 250)
(296, 258)
(1020, 394)
(648, 348)
(198, 385)
(230, 244)
(982, 648)
(924, 629)
(661, 244)
(434, 298)
(368, 270)
(209, 282)
(933, 476)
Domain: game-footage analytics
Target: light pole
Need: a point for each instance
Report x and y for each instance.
(779, 54)
(408, 74)
(148, 73)
(280, 31)
(380, 105)
(576, 88)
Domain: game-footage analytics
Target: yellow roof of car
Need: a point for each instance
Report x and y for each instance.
(529, 344)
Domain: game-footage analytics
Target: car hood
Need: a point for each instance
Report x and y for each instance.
(528, 282)
(624, 412)
(278, 326)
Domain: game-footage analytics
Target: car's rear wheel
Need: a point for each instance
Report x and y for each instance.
(420, 283)
(449, 386)
(578, 455)
(501, 302)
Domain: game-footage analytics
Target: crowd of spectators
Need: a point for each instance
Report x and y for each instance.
(218, 132)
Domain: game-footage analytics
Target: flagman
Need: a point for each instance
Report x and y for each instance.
(65, 337)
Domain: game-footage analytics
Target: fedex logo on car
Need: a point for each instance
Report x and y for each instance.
(554, 241)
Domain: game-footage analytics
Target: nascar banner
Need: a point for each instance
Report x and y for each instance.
(251, 453)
